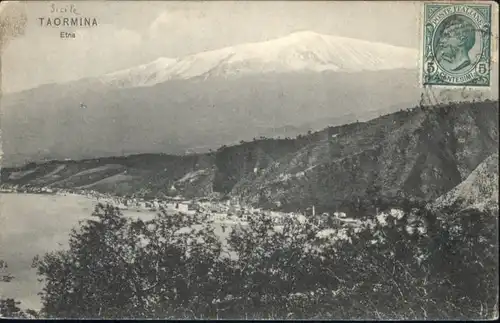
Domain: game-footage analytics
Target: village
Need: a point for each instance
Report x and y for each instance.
(228, 211)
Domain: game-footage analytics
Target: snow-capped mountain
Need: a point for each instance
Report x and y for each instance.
(141, 75)
(174, 105)
(301, 51)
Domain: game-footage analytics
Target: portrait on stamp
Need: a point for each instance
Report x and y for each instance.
(454, 42)
(457, 44)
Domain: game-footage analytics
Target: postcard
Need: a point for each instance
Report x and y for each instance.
(249, 160)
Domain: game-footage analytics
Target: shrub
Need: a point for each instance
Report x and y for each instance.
(407, 264)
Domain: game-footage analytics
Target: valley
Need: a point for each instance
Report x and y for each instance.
(418, 153)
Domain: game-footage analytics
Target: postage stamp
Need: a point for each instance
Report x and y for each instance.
(457, 44)
(248, 160)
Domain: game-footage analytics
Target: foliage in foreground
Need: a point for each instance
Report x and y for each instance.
(9, 307)
(410, 266)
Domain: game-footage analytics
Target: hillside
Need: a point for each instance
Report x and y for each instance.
(421, 153)
(478, 191)
(48, 123)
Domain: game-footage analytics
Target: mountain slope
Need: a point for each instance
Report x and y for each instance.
(201, 101)
(419, 154)
(172, 117)
(478, 191)
(141, 75)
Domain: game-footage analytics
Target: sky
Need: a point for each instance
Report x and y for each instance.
(135, 32)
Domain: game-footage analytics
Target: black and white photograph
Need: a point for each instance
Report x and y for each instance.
(250, 160)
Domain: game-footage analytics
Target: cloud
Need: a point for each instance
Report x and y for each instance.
(161, 23)
(30, 60)
(107, 41)
(180, 18)
(176, 32)
(174, 23)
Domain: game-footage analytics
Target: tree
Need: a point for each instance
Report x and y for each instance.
(9, 306)
(412, 265)
(13, 21)
(120, 267)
